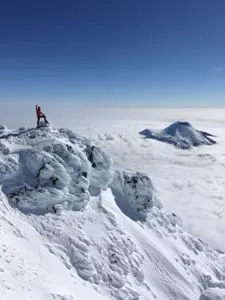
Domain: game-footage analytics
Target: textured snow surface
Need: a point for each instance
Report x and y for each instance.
(213, 294)
(180, 134)
(73, 227)
(48, 169)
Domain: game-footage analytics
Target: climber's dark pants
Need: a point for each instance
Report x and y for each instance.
(38, 120)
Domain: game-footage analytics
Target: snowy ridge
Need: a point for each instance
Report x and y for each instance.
(180, 134)
(102, 232)
(29, 270)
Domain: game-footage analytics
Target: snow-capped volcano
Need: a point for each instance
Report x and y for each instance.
(73, 228)
(180, 134)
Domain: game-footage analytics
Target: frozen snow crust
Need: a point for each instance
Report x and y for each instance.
(180, 134)
(45, 169)
(72, 228)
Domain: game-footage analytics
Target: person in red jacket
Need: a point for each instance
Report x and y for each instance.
(40, 115)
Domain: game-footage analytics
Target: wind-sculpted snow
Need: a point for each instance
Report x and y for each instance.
(28, 268)
(85, 225)
(133, 194)
(180, 134)
(213, 294)
(45, 169)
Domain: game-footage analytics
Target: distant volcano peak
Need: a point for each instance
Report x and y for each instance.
(180, 134)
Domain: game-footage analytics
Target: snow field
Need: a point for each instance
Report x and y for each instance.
(78, 227)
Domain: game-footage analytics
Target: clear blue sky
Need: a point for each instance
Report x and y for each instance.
(110, 52)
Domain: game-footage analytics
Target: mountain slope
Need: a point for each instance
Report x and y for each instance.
(103, 233)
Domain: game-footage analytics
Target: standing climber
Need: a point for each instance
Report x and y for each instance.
(40, 115)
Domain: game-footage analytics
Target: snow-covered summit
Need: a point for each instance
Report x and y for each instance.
(56, 167)
(181, 134)
(73, 228)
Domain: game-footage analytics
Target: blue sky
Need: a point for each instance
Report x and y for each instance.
(121, 52)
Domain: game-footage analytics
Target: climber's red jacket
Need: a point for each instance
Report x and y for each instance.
(39, 112)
